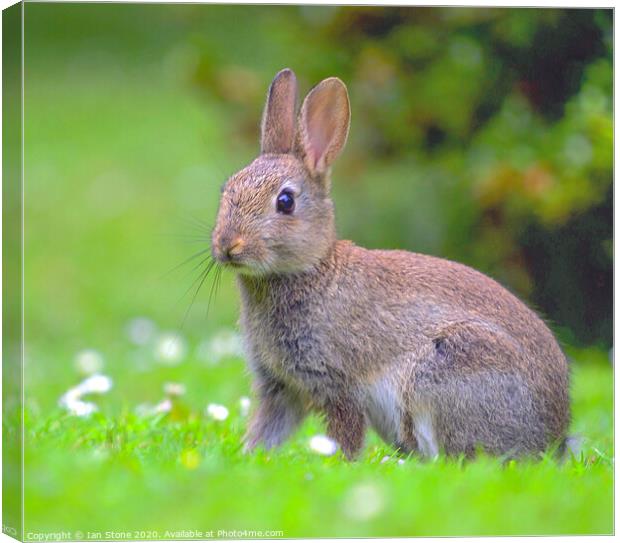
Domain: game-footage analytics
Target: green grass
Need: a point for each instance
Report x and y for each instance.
(183, 471)
(118, 161)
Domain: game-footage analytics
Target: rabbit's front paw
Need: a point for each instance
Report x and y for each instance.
(278, 415)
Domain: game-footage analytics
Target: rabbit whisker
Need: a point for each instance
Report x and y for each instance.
(214, 287)
(190, 259)
(186, 237)
(200, 280)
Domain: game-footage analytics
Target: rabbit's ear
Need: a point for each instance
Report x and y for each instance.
(278, 125)
(324, 124)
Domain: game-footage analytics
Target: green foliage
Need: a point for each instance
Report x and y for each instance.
(481, 124)
(489, 127)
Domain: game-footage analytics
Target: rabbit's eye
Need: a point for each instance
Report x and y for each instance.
(285, 202)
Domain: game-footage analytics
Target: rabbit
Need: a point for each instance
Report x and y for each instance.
(433, 355)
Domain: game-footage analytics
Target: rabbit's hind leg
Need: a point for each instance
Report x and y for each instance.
(382, 408)
(385, 410)
(495, 414)
(468, 397)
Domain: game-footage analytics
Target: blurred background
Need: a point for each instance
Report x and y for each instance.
(479, 135)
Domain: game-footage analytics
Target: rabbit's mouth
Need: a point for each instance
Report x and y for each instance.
(237, 256)
(238, 265)
(249, 267)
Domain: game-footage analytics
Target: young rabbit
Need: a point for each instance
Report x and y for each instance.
(434, 355)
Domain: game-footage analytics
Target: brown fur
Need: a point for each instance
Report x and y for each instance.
(434, 355)
(278, 125)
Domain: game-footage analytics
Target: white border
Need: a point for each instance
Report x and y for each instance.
(434, 3)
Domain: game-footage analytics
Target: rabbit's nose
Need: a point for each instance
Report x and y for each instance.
(230, 248)
(235, 247)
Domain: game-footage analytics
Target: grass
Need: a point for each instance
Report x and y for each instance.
(119, 163)
(183, 471)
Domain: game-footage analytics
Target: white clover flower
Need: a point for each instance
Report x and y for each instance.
(88, 361)
(323, 445)
(140, 330)
(224, 344)
(217, 411)
(244, 406)
(148, 410)
(364, 502)
(71, 396)
(170, 348)
(165, 406)
(95, 384)
(80, 408)
(174, 389)
(75, 406)
(72, 399)
(386, 459)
